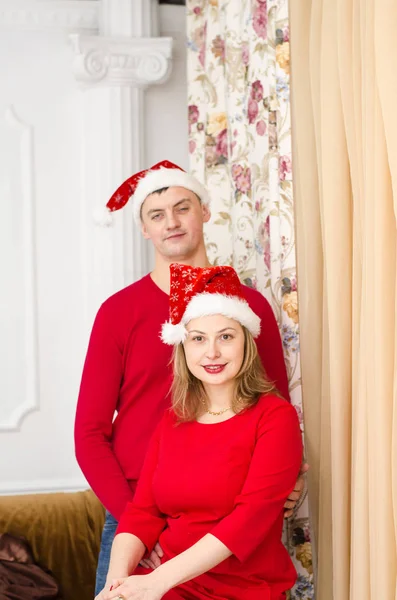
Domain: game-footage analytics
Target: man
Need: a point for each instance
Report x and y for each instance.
(127, 366)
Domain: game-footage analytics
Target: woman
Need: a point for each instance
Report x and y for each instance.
(220, 464)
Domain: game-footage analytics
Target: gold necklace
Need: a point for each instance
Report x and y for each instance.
(216, 414)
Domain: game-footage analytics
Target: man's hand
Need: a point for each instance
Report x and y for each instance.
(154, 559)
(294, 496)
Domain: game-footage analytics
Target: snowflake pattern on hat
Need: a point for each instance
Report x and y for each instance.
(196, 292)
(194, 280)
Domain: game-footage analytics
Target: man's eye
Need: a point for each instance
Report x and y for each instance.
(156, 217)
(183, 209)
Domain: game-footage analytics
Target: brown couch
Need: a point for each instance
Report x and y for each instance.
(64, 532)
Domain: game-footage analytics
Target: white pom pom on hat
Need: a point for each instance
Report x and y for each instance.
(102, 216)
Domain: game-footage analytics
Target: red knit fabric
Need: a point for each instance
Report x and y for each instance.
(229, 479)
(127, 370)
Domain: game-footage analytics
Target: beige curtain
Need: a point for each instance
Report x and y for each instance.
(344, 127)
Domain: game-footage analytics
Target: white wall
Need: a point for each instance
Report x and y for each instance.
(166, 123)
(44, 320)
(166, 130)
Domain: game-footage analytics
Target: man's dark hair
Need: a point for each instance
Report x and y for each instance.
(160, 190)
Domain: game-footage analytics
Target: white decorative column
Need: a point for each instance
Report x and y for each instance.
(114, 68)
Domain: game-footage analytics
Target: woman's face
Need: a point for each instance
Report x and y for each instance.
(214, 349)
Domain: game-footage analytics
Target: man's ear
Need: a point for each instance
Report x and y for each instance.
(206, 213)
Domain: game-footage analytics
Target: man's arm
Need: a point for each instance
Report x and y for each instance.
(98, 397)
(270, 348)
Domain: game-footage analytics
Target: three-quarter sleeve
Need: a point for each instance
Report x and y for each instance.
(271, 477)
(141, 516)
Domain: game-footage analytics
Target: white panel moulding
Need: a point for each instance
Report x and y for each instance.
(61, 15)
(13, 416)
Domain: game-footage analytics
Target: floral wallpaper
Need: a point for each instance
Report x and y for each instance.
(240, 146)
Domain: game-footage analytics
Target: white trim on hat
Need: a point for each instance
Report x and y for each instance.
(203, 305)
(161, 178)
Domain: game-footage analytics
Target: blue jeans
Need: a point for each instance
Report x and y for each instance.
(108, 533)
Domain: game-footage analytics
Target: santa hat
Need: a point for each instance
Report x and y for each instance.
(197, 292)
(142, 184)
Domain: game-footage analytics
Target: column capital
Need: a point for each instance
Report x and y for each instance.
(120, 61)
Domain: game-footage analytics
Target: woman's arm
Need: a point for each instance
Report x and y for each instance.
(203, 556)
(127, 551)
(200, 558)
(273, 471)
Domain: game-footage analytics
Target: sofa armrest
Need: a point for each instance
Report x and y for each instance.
(64, 532)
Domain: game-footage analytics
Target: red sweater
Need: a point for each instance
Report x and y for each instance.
(127, 370)
(229, 479)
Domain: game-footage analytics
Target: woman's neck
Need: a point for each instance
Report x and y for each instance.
(220, 396)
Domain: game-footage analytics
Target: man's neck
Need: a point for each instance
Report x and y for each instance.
(161, 271)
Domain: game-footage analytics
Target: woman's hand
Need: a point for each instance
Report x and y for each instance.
(104, 592)
(111, 584)
(136, 587)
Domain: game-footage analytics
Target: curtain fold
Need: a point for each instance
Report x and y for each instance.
(344, 98)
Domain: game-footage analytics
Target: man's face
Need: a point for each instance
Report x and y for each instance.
(173, 221)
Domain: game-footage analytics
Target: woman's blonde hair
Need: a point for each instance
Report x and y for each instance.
(188, 394)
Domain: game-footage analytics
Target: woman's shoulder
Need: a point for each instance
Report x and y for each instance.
(272, 405)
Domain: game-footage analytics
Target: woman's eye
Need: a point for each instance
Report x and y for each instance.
(198, 338)
(226, 336)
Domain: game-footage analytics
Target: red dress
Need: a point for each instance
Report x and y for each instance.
(229, 479)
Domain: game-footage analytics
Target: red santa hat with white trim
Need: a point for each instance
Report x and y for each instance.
(197, 292)
(142, 184)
